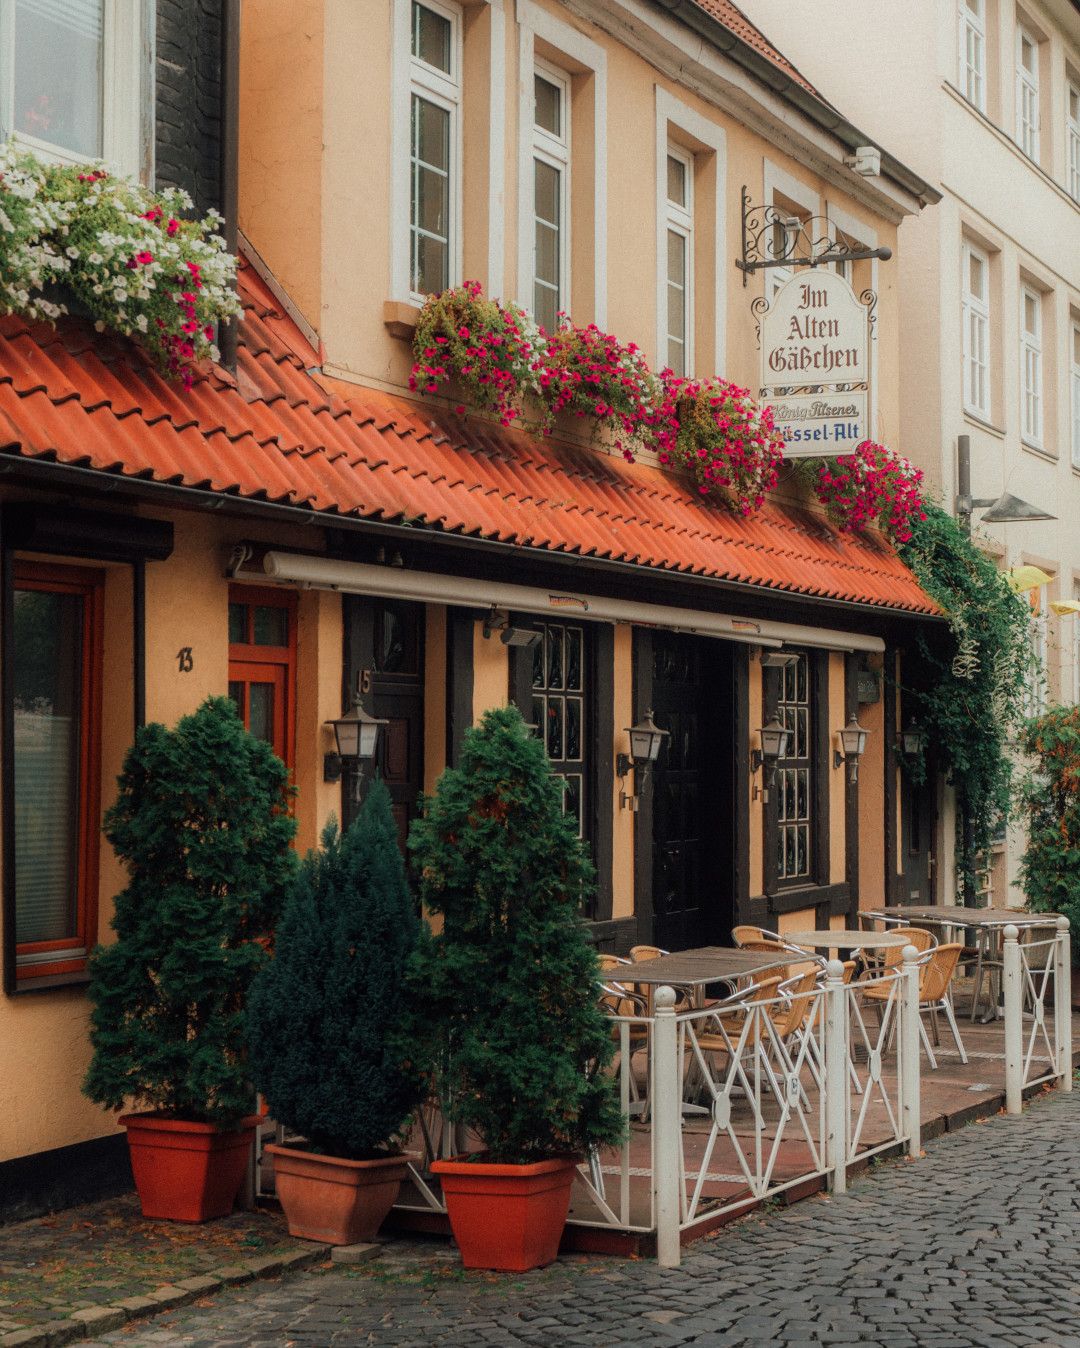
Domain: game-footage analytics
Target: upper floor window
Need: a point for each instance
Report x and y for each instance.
(1073, 137)
(551, 195)
(70, 87)
(973, 52)
(434, 133)
(1074, 388)
(1031, 372)
(678, 253)
(1027, 93)
(975, 288)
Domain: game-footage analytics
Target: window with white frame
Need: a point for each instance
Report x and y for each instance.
(551, 195)
(1074, 388)
(975, 290)
(1031, 371)
(434, 131)
(71, 78)
(1027, 93)
(677, 252)
(973, 52)
(785, 236)
(1072, 129)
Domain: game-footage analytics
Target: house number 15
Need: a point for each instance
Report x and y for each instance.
(184, 660)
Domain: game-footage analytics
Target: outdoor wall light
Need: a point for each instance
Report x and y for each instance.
(913, 739)
(646, 740)
(356, 735)
(499, 621)
(775, 739)
(853, 739)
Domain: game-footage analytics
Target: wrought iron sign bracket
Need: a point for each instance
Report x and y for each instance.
(770, 238)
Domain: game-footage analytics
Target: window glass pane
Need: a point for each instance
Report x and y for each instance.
(676, 180)
(554, 660)
(976, 276)
(261, 719)
(1031, 313)
(548, 105)
(573, 657)
(431, 38)
(238, 624)
(548, 200)
(57, 72)
(573, 728)
(236, 694)
(430, 197)
(555, 727)
(48, 729)
(271, 625)
(572, 799)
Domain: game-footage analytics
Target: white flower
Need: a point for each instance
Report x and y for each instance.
(71, 251)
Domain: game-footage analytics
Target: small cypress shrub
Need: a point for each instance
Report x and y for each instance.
(506, 993)
(325, 1015)
(202, 824)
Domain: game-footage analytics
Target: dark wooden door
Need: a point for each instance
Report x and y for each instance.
(692, 815)
(918, 828)
(384, 660)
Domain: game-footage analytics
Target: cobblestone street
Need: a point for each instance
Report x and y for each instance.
(976, 1245)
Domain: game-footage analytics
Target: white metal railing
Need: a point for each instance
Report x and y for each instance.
(1037, 990)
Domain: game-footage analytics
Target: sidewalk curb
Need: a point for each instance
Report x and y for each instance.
(94, 1320)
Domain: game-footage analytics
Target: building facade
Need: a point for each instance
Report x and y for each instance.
(982, 97)
(302, 529)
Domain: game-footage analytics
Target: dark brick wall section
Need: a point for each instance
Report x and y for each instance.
(188, 98)
(50, 1180)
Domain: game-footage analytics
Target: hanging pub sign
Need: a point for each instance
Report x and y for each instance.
(815, 364)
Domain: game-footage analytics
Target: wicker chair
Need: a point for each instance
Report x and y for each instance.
(936, 969)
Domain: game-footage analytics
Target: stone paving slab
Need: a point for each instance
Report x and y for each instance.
(974, 1246)
(92, 1268)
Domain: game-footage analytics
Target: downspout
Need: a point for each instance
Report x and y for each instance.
(230, 130)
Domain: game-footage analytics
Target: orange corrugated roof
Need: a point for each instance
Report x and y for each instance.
(277, 433)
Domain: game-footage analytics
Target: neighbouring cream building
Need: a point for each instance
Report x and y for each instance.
(981, 97)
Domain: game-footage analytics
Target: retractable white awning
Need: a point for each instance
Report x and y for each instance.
(324, 573)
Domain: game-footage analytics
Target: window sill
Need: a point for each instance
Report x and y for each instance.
(48, 983)
(1039, 450)
(400, 318)
(976, 420)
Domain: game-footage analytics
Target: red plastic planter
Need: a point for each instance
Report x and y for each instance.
(507, 1217)
(333, 1200)
(187, 1172)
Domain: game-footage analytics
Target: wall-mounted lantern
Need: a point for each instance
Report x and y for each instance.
(779, 659)
(853, 739)
(913, 739)
(775, 739)
(646, 740)
(356, 737)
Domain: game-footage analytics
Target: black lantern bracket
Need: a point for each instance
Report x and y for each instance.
(773, 238)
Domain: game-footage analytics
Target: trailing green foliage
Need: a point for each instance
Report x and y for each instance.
(974, 702)
(1050, 804)
(325, 1015)
(508, 1018)
(202, 823)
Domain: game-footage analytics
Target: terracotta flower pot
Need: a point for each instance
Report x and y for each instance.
(507, 1217)
(332, 1200)
(184, 1171)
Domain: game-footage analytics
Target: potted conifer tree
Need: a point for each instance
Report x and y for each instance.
(508, 1019)
(325, 1031)
(202, 824)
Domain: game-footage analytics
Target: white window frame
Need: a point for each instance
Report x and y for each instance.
(975, 320)
(679, 219)
(972, 72)
(125, 81)
(1031, 369)
(576, 53)
(1027, 95)
(555, 151)
(1074, 388)
(1072, 137)
(444, 91)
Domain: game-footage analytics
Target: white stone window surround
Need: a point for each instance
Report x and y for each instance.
(972, 52)
(573, 53)
(1031, 365)
(1072, 137)
(1074, 388)
(779, 183)
(127, 31)
(555, 152)
(679, 226)
(692, 134)
(400, 144)
(1027, 91)
(975, 345)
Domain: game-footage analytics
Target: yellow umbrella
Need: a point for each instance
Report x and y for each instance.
(1024, 578)
(1065, 605)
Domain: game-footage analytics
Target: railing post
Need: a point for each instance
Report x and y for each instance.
(1014, 1025)
(1063, 1003)
(667, 1127)
(836, 1076)
(910, 1065)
